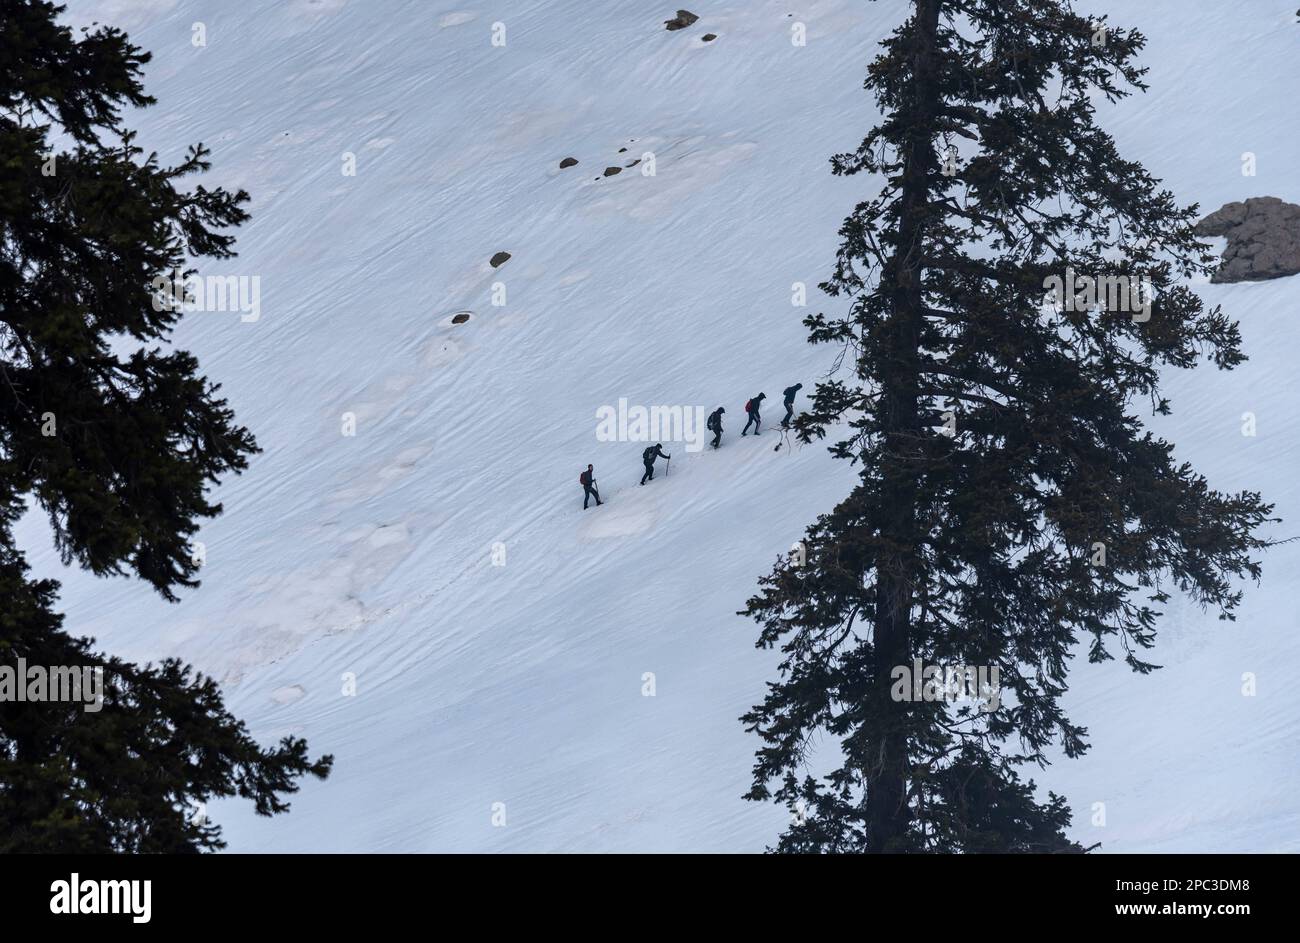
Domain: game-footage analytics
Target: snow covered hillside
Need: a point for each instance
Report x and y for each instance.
(371, 555)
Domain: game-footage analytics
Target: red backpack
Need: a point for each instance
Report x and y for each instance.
(749, 405)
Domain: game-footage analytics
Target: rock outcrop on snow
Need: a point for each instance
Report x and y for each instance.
(1263, 236)
(683, 19)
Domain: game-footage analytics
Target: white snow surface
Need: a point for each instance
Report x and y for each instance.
(523, 684)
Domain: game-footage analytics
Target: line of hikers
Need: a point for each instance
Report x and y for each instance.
(714, 424)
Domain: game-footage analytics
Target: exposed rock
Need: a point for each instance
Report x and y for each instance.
(1263, 236)
(709, 37)
(460, 318)
(683, 19)
(568, 162)
(610, 171)
(499, 259)
(634, 163)
(622, 149)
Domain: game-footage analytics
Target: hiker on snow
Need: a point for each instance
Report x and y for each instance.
(754, 418)
(789, 392)
(589, 491)
(648, 457)
(714, 425)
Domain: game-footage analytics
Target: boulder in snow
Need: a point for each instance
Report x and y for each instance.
(1263, 236)
(683, 19)
(499, 259)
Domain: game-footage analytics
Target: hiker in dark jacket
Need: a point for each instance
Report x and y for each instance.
(789, 392)
(754, 418)
(714, 425)
(589, 491)
(648, 457)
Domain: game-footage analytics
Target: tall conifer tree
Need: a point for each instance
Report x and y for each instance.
(1011, 503)
(117, 438)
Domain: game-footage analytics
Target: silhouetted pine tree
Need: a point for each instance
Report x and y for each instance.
(116, 438)
(1050, 514)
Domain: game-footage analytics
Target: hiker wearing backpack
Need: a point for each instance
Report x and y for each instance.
(789, 392)
(714, 425)
(589, 491)
(754, 418)
(648, 458)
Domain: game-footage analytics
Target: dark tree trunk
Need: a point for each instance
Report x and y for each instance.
(887, 773)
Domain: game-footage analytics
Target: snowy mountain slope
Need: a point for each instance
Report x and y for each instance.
(370, 554)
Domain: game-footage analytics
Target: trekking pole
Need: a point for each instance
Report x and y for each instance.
(668, 467)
